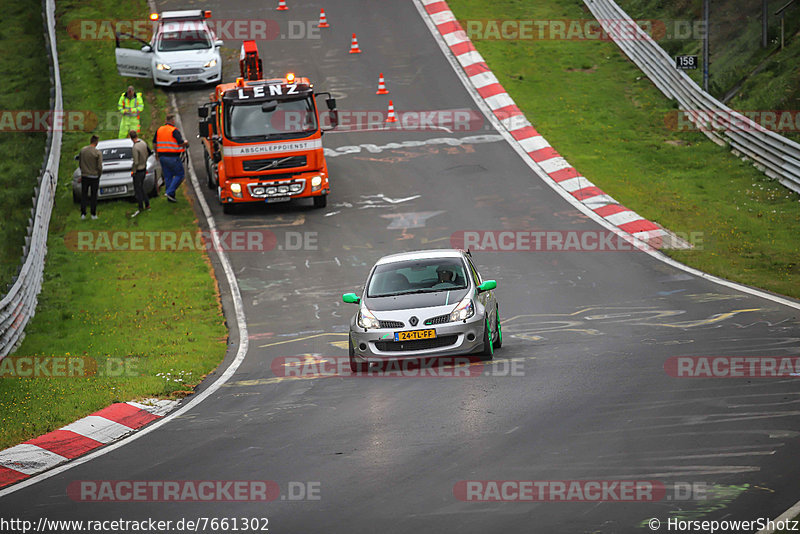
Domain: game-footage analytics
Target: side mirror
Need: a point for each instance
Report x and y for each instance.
(331, 103)
(350, 298)
(487, 286)
(218, 43)
(217, 156)
(147, 48)
(202, 112)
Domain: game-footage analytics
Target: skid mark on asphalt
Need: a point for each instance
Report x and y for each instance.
(377, 149)
(530, 326)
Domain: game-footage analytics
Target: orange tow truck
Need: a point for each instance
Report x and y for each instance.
(262, 138)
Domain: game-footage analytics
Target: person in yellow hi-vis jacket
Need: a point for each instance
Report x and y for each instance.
(130, 105)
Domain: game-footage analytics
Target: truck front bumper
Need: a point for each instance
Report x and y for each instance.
(264, 189)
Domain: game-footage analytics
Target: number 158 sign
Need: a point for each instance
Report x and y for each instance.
(686, 62)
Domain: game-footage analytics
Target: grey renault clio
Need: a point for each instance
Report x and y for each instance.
(423, 304)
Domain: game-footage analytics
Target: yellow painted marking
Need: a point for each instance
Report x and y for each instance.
(425, 240)
(299, 220)
(301, 339)
(711, 320)
(340, 344)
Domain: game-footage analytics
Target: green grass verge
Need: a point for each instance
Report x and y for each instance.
(26, 86)
(599, 111)
(158, 312)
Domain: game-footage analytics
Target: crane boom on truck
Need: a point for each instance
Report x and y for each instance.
(262, 138)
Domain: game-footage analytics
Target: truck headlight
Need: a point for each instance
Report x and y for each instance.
(463, 311)
(366, 319)
(212, 63)
(316, 182)
(236, 189)
(163, 66)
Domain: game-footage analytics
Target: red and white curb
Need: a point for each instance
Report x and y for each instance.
(536, 146)
(78, 438)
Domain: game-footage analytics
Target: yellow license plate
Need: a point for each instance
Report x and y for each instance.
(415, 334)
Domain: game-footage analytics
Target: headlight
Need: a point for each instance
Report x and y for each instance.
(463, 311)
(283, 189)
(258, 191)
(316, 181)
(210, 64)
(366, 319)
(271, 190)
(163, 66)
(236, 189)
(296, 188)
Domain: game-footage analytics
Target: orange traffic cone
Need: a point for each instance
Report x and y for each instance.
(323, 21)
(391, 117)
(354, 49)
(382, 90)
(282, 5)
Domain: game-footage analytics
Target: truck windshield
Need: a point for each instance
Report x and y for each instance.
(291, 119)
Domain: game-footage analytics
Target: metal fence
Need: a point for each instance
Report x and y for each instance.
(775, 155)
(19, 304)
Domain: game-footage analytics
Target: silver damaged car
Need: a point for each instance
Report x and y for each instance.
(423, 304)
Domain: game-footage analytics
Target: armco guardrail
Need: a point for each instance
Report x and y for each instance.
(777, 156)
(19, 304)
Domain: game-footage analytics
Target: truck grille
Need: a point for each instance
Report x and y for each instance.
(268, 164)
(416, 344)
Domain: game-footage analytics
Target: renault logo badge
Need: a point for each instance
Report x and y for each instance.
(413, 321)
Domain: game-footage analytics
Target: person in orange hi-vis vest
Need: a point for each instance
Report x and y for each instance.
(170, 146)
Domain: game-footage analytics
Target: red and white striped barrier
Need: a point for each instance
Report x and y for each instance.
(76, 439)
(537, 147)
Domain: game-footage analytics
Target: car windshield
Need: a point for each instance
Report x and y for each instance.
(417, 276)
(256, 122)
(117, 153)
(184, 39)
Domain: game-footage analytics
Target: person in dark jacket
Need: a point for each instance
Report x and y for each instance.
(90, 161)
(140, 153)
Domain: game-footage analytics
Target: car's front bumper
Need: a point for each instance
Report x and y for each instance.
(188, 75)
(451, 339)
